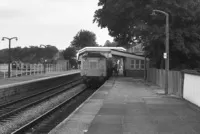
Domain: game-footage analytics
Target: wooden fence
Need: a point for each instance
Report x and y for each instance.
(175, 80)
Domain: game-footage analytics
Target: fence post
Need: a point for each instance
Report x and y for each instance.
(41, 68)
(35, 71)
(10, 73)
(16, 71)
(35, 68)
(47, 67)
(26, 69)
(30, 69)
(21, 69)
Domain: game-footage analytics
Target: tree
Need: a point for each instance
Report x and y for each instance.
(131, 20)
(32, 54)
(70, 54)
(48, 52)
(110, 44)
(84, 38)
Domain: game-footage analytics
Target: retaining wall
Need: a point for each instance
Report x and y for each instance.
(36, 85)
(191, 87)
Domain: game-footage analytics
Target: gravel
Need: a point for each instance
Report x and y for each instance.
(26, 116)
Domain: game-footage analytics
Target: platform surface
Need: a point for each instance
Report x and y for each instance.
(127, 106)
(16, 80)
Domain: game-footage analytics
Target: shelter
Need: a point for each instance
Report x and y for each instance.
(134, 65)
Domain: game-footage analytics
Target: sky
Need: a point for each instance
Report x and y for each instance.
(48, 22)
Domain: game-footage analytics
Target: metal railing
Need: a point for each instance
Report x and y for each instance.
(31, 69)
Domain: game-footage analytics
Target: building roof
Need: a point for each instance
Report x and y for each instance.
(118, 51)
(98, 49)
(127, 54)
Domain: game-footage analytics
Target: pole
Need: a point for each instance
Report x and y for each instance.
(166, 49)
(167, 52)
(9, 53)
(9, 61)
(145, 68)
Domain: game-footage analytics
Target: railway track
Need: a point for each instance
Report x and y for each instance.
(12, 109)
(34, 125)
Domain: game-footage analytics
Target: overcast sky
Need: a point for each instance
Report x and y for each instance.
(53, 22)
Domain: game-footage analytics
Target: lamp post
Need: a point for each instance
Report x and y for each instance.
(166, 54)
(9, 52)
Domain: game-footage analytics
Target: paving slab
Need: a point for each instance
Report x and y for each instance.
(126, 106)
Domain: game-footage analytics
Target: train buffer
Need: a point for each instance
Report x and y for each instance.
(127, 106)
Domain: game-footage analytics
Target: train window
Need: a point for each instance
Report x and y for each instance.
(93, 65)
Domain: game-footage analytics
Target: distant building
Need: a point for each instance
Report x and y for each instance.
(59, 59)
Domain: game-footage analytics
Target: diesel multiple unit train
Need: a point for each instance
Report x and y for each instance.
(96, 64)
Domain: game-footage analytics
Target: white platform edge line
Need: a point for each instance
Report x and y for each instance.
(35, 80)
(65, 120)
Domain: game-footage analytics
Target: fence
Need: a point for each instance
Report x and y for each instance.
(175, 80)
(31, 69)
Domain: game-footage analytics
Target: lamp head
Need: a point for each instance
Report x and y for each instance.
(153, 13)
(3, 38)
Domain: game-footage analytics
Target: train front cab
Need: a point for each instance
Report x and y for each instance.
(93, 68)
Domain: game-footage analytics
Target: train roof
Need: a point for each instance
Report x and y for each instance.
(100, 49)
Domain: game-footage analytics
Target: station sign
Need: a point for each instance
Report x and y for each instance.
(165, 55)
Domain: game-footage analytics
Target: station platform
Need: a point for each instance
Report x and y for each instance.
(30, 78)
(127, 106)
